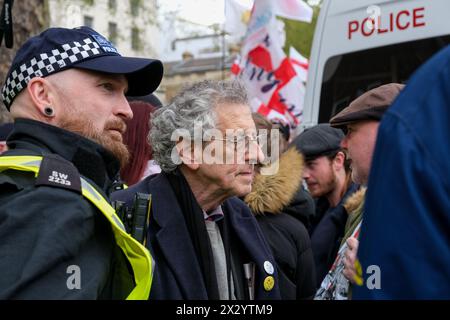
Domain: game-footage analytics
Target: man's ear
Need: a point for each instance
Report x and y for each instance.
(339, 160)
(42, 94)
(185, 150)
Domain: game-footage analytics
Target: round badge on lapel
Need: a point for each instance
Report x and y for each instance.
(268, 267)
(269, 282)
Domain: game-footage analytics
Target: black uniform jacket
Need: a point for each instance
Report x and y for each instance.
(54, 244)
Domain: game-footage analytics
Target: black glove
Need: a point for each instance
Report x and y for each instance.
(6, 26)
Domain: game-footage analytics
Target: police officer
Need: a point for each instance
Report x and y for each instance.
(59, 236)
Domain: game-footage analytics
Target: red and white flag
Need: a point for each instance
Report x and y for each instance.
(300, 63)
(274, 86)
(293, 9)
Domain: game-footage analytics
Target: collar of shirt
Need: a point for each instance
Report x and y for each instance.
(215, 215)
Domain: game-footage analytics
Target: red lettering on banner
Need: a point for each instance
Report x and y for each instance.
(401, 20)
(352, 27)
(397, 20)
(364, 23)
(391, 20)
(416, 17)
(379, 26)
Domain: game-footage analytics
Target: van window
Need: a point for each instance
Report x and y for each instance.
(349, 75)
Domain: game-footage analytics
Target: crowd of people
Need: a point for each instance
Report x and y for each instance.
(238, 208)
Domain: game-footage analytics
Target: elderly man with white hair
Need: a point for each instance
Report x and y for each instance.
(206, 242)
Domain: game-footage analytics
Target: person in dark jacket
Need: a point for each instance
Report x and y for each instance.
(327, 174)
(286, 234)
(281, 220)
(302, 207)
(301, 204)
(66, 92)
(360, 119)
(406, 227)
(206, 242)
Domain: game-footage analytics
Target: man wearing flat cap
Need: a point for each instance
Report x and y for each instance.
(407, 234)
(60, 238)
(327, 175)
(360, 120)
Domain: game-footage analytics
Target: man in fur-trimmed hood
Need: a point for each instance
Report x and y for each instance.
(282, 208)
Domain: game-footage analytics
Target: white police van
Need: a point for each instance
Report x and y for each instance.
(361, 44)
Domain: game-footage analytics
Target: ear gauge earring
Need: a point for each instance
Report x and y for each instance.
(49, 112)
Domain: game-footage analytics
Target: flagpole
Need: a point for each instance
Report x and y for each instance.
(223, 39)
(223, 54)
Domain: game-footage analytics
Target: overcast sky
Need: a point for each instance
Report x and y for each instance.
(205, 12)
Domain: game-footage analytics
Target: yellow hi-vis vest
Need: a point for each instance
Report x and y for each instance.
(137, 255)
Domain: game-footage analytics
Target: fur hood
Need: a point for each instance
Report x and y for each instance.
(355, 200)
(270, 194)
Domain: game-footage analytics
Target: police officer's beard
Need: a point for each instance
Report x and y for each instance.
(112, 143)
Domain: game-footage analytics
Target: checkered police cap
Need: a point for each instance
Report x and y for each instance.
(58, 49)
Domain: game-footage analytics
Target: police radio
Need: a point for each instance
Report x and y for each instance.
(136, 218)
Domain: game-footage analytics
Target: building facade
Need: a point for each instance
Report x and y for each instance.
(189, 70)
(131, 25)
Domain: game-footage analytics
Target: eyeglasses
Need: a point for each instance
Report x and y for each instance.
(240, 141)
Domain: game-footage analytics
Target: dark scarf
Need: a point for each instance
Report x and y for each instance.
(195, 223)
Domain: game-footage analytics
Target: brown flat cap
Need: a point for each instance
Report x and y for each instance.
(369, 106)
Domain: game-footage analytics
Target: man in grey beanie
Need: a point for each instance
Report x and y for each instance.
(327, 175)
